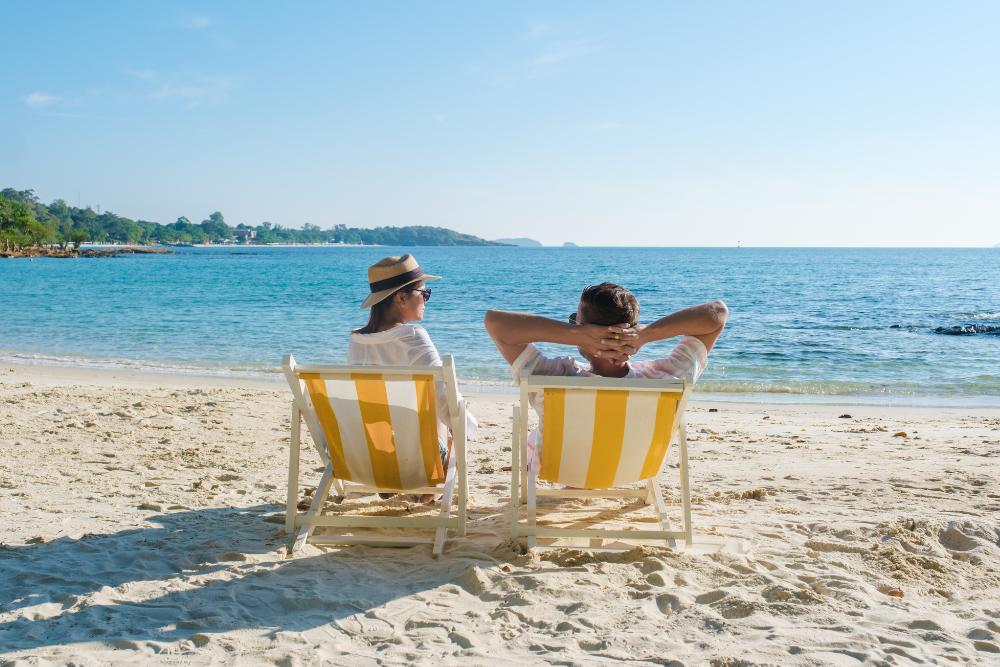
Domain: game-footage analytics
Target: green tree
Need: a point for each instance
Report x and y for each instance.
(18, 226)
(76, 237)
(216, 229)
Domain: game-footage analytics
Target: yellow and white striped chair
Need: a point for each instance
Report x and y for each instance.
(598, 436)
(377, 430)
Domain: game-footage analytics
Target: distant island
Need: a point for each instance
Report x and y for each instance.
(520, 241)
(525, 242)
(58, 230)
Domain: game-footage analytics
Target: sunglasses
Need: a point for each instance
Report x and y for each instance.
(424, 292)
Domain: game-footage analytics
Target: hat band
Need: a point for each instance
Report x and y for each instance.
(396, 281)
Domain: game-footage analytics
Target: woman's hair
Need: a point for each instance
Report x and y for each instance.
(377, 314)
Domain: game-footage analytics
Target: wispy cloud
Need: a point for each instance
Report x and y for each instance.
(144, 74)
(39, 100)
(605, 126)
(202, 91)
(196, 22)
(545, 63)
(565, 51)
(87, 116)
(536, 30)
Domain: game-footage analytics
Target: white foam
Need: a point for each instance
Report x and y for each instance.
(141, 365)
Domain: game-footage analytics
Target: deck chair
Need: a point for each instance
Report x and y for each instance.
(601, 437)
(376, 430)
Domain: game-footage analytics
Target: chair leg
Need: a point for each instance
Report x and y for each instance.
(661, 509)
(685, 486)
(463, 476)
(515, 475)
(525, 461)
(315, 509)
(291, 500)
(463, 500)
(532, 512)
(442, 532)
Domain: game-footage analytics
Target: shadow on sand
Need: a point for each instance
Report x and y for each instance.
(185, 577)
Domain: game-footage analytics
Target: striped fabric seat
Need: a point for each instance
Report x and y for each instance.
(377, 429)
(602, 438)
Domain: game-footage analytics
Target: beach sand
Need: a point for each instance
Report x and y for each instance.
(141, 520)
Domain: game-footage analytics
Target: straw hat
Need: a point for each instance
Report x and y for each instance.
(392, 273)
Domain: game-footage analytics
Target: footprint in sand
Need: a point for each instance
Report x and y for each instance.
(735, 608)
(957, 537)
(656, 579)
(668, 604)
(924, 624)
(710, 597)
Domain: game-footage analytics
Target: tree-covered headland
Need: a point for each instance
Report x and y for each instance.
(25, 222)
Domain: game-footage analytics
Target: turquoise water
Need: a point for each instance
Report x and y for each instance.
(858, 322)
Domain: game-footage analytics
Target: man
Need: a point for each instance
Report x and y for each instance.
(606, 331)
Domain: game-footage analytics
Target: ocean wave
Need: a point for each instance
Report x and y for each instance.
(969, 330)
(136, 365)
(986, 316)
(815, 388)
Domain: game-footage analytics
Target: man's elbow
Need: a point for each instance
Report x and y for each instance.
(720, 311)
(492, 323)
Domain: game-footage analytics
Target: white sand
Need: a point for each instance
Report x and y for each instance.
(140, 521)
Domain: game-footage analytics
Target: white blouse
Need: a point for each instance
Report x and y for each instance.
(405, 345)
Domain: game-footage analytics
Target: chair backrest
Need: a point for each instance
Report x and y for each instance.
(378, 425)
(599, 433)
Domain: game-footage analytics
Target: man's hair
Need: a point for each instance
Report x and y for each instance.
(609, 304)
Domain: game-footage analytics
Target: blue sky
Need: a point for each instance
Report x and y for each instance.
(661, 123)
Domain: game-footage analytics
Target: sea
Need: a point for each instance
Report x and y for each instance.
(909, 326)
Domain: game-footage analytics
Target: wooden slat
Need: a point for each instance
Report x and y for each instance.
(598, 533)
(380, 540)
(330, 372)
(361, 521)
(537, 382)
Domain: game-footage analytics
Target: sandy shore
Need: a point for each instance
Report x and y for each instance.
(141, 521)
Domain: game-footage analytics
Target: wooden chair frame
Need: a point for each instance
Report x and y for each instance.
(525, 491)
(303, 525)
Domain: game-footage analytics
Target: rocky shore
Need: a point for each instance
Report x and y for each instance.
(52, 251)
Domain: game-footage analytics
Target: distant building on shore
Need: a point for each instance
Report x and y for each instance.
(244, 235)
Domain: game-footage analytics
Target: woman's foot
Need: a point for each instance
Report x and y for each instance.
(386, 496)
(427, 499)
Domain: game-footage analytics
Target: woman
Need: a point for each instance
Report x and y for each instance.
(398, 297)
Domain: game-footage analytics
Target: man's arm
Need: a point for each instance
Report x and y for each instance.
(704, 322)
(512, 332)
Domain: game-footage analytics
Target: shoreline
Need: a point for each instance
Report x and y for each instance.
(56, 375)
